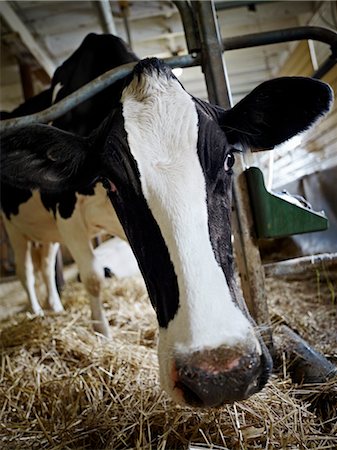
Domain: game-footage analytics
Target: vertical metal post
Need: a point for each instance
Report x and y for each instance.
(124, 7)
(246, 249)
(213, 64)
(105, 16)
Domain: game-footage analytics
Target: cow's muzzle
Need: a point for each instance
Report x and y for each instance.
(212, 378)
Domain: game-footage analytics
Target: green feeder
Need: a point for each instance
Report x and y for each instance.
(275, 216)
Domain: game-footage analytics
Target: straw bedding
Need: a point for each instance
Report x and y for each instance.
(63, 387)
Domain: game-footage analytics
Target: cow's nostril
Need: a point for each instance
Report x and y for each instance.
(204, 385)
(208, 391)
(190, 397)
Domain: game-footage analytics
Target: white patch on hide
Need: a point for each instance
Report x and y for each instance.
(161, 122)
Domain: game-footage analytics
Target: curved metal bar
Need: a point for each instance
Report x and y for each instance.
(221, 6)
(72, 100)
(286, 35)
(277, 36)
(190, 26)
(325, 67)
(87, 91)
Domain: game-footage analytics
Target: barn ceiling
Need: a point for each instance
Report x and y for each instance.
(42, 34)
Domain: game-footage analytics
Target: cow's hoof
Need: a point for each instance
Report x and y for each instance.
(102, 329)
(38, 312)
(108, 273)
(57, 309)
(53, 306)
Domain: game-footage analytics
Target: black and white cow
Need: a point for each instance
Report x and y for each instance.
(76, 217)
(166, 158)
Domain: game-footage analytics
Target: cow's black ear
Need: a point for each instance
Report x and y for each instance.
(44, 157)
(277, 110)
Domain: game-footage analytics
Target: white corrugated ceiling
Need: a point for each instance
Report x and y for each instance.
(58, 27)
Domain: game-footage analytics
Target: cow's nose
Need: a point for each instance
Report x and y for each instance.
(212, 378)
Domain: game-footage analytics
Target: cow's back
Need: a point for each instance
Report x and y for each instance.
(96, 55)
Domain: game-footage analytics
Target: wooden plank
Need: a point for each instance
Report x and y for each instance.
(303, 167)
(27, 81)
(320, 142)
(299, 266)
(299, 62)
(331, 76)
(317, 150)
(16, 24)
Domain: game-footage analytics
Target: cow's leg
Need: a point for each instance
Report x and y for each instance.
(22, 248)
(91, 272)
(48, 261)
(92, 276)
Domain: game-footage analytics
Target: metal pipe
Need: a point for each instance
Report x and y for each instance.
(190, 25)
(106, 17)
(124, 7)
(220, 6)
(320, 34)
(286, 35)
(213, 64)
(325, 67)
(126, 26)
(89, 90)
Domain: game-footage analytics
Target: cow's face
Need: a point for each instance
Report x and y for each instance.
(180, 161)
(167, 159)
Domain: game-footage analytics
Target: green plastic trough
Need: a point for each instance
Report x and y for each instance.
(276, 217)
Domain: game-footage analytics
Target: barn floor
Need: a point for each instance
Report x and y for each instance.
(63, 387)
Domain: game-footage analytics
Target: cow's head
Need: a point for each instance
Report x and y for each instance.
(97, 54)
(167, 159)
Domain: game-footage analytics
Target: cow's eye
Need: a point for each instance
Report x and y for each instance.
(229, 162)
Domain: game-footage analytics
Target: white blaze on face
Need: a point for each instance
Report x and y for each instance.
(161, 122)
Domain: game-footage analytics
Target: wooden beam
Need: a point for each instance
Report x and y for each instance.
(16, 24)
(41, 75)
(12, 41)
(26, 80)
(298, 266)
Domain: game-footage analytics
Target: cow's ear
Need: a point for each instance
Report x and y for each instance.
(44, 157)
(275, 111)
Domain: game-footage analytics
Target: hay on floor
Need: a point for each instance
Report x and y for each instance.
(63, 387)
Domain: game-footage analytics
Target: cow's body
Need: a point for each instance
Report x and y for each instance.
(72, 219)
(34, 223)
(167, 159)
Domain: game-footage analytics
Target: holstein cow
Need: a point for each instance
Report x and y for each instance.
(76, 217)
(166, 158)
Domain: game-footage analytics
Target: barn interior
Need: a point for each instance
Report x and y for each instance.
(65, 387)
